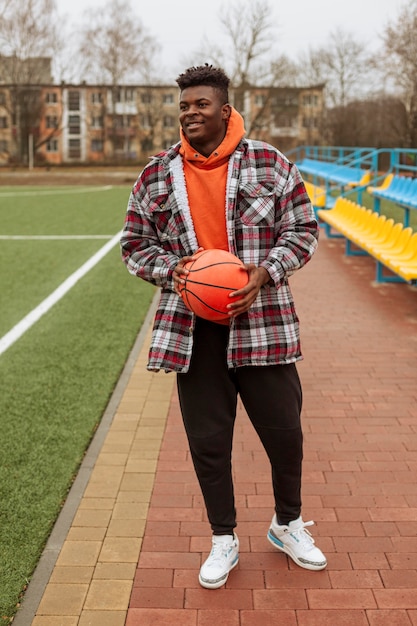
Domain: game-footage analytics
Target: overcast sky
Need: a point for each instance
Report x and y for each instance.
(179, 25)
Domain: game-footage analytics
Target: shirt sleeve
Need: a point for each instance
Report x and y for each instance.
(141, 249)
(297, 229)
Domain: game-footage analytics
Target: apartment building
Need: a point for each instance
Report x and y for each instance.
(65, 124)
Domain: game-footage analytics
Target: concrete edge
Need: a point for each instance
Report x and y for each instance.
(43, 571)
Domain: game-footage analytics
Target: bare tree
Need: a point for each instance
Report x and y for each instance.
(115, 49)
(342, 65)
(27, 31)
(28, 38)
(250, 33)
(249, 38)
(114, 45)
(400, 64)
(247, 55)
(378, 121)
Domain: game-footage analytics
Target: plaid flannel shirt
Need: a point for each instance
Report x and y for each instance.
(270, 222)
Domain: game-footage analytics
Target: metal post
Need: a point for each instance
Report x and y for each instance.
(30, 151)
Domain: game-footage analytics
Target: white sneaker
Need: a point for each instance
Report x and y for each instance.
(297, 542)
(223, 557)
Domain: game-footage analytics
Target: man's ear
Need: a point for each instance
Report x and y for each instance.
(226, 111)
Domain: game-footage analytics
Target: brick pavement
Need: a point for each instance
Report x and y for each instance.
(139, 536)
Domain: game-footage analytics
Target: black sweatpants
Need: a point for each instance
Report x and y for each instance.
(272, 398)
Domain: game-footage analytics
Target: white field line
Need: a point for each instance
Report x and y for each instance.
(52, 192)
(51, 237)
(31, 318)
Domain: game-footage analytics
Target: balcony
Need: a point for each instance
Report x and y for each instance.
(121, 132)
(125, 108)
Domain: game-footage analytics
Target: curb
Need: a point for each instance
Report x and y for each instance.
(39, 580)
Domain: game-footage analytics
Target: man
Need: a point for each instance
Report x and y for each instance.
(217, 189)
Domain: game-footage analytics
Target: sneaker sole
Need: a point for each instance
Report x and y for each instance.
(207, 584)
(305, 564)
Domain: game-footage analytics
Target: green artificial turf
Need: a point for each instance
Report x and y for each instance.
(56, 380)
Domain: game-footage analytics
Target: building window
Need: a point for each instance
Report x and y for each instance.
(2, 98)
(285, 100)
(310, 100)
(169, 121)
(52, 145)
(74, 100)
(260, 100)
(97, 121)
(310, 122)
(146, 98)
(3, 145)
(97, 97)
(119, 144)
(282, 121)
(168, 98)
(74, 148)
(145, 121)
(125, 94)
(51, 121)
(3, 122)
(96, 145)
(122, 121)
(51, 97)
(74, 125)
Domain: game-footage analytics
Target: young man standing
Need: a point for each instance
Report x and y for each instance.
(217, 189)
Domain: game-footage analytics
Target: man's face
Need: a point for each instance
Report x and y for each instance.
(203, 117)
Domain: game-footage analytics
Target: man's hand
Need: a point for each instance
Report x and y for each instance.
(180, 271)
(258, 276)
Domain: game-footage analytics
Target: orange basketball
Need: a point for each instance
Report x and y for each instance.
(214, 274)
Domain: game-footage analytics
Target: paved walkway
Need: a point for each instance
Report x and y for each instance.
(138, 532)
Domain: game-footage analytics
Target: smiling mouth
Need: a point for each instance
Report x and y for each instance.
(194, 124)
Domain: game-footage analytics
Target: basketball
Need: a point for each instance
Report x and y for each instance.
(213, 275)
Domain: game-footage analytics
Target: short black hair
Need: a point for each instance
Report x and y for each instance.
(208, 75)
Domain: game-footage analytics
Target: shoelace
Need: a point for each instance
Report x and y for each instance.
(303, 535)
(219, 552)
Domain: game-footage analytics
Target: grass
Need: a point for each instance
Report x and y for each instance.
(30, 282)
(56, 380)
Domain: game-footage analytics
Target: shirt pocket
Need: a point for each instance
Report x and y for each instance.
(166, 221)
(256, 204)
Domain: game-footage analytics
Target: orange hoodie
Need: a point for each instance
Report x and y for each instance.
(206, 179)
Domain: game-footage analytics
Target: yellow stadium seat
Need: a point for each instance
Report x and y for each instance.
(366, 178)
(390, 252)
(408, 273)
(384, 185)
(316, 194)
(390, 241)
(379, 235)
(408, 257)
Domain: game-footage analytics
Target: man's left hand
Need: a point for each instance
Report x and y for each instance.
(258, 276)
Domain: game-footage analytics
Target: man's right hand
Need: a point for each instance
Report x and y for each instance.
(180, 271)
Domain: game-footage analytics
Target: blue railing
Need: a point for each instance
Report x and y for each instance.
(341, 168)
